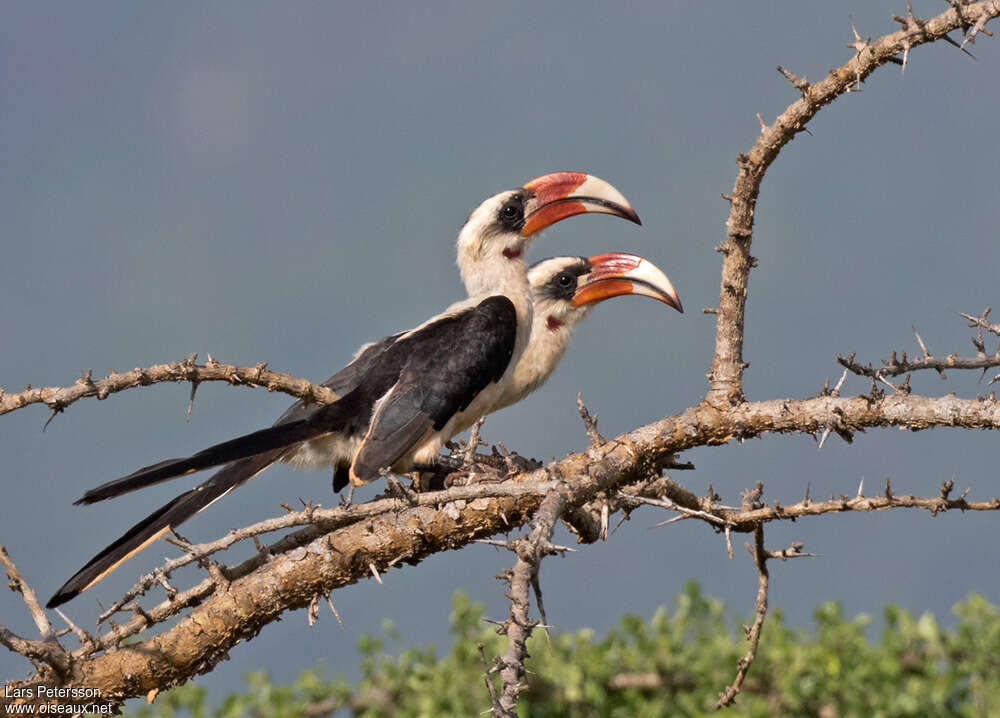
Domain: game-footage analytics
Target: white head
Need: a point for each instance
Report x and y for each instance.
(492, 242)
(564, 290)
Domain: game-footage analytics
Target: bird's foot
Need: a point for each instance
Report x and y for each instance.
(441, 462)
(438, 470)
(349, 498)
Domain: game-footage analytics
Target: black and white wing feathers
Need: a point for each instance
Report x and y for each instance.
(450, 361)
(397, 390)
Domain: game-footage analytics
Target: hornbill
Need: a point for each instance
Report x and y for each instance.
(564, 290)
(406, 397)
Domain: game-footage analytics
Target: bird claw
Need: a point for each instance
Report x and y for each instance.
(438, 470)
(347, 500)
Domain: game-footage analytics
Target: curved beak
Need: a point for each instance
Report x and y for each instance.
(563, 194)
(617, 273)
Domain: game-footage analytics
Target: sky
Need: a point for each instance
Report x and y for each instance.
(284, 182)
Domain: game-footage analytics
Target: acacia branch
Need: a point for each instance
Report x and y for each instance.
(19, 585)
(748, 517)
(48, 650)
(319, 520)
(759, 554)
(982, 321)
(530, 552)
(760, 557)
(894, 366)
(726, 373)
(57, 398)
(743, 521)
(752, 516)
(232, 605)
(300, 566)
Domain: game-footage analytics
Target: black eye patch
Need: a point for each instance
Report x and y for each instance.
(511, 214)
(562, 286)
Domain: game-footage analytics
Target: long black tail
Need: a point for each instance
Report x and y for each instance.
(247, 456)
(274, 437)
(165, 518)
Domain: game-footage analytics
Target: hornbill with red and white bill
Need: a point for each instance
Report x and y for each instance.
(564, 291)
(408, 399)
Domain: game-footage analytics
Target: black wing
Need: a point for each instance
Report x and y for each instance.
(348, 378)
(448, 362)
(267, 446)
(459, 354)
(345, 380)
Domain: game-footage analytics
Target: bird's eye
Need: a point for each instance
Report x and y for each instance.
(512, 213)
(564, 279)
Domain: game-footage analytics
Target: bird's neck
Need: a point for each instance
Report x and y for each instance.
(544, 350)
(492, 273)
(549, 338)
(495, 275)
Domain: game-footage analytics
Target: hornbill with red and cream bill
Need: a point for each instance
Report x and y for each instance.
(564, 290)
(412, 396)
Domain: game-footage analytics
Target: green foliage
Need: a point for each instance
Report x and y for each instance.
(673, 665)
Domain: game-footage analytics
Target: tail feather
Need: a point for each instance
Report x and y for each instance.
(167, 517)
(259, 442)
(341, 477)
(247, 456)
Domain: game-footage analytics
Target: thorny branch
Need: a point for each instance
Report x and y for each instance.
(234, 603)
(589, 422)
(982, 321)
(745, 519)
(833, 427)
(726, 373)
(760, 557)
(57, 398)
(46, 653)
(296, 568)
(752, 516)
(897, 365)
(319, 519)
(901, 364)
(530, 552)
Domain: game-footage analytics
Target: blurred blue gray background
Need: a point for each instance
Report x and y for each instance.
(282, 183)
